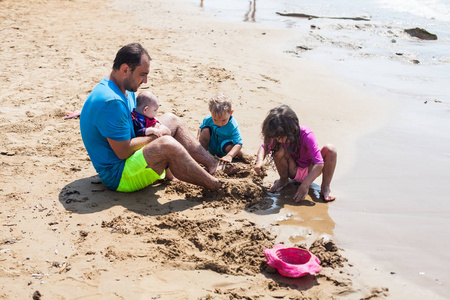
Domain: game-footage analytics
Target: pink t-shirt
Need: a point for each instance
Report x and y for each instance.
(309, 149)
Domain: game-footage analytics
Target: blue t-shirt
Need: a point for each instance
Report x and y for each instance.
(229, 132)
(106, 114)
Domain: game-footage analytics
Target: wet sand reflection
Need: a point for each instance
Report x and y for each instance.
(251, 12)
(303, 221)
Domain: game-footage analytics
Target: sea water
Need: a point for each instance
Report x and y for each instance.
(376, 53)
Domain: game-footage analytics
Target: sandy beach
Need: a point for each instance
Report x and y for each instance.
(64, 235)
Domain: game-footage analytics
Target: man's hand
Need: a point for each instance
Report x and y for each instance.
(124, 149)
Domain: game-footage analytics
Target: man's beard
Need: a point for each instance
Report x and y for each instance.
(128, 84)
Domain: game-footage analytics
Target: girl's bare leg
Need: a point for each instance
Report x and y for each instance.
(286, 169)
(329, 155)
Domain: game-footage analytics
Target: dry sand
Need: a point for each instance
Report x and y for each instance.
(65, 236)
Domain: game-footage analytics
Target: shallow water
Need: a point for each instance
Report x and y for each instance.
(394, 204)
(376, 53)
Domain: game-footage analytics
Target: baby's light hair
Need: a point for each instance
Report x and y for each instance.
(145, 99)
(220, 104)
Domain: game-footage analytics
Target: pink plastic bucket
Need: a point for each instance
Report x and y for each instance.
(292, 262)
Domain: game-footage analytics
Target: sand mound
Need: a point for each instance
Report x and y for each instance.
(327, 252)
(242, 190)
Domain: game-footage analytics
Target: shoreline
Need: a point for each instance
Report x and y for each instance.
(66, 236)
(377, 53)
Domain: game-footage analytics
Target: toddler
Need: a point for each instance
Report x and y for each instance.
(219, 132)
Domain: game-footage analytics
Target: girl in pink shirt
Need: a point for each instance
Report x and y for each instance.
(296, 154)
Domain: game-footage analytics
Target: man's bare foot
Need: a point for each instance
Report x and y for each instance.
(326, 193)
(278, 185)
(213, 169)
(218, 186)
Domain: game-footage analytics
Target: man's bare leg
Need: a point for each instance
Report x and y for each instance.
(168, 152)
(183, 135)
(329, 155)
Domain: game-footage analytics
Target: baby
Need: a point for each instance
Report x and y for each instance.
(144, 116)
(219, 132)
(145, 122)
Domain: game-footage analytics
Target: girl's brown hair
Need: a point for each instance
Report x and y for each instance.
(280, 122)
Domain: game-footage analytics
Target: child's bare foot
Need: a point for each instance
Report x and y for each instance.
(170, 177)
(173, 179)
(72, 114)
(326, 193)
(278, 185)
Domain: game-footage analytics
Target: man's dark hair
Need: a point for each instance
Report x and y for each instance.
(131, 55)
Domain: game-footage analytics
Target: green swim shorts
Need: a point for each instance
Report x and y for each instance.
(136, 175)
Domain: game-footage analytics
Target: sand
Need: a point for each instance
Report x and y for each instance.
(65, 236)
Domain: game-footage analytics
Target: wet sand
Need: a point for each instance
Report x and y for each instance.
(64, 235)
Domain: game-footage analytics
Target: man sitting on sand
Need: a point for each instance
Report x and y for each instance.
(128, 163)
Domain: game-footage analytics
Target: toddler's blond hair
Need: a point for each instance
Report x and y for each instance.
(220, 104)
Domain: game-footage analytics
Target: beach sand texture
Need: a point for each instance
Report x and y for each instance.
(63, 235)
